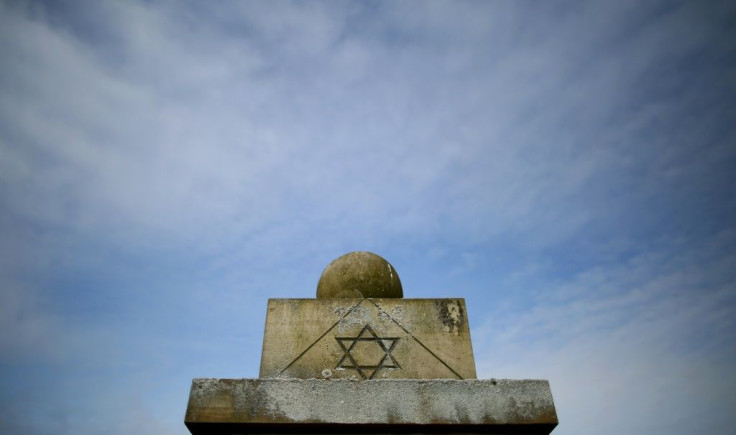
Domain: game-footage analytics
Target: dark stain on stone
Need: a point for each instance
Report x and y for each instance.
(451, 313)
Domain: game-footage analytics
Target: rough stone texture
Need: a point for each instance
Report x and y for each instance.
(367, 339)
(359, 275)
(391, 406)
(361, 359)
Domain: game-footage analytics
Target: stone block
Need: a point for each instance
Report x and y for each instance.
(373, 406)
(364, 339)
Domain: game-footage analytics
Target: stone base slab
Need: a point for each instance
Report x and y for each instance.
(281, 406)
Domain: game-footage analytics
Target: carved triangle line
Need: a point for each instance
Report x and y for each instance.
(320, 338)
(388, 355)
(345, 354)
(416, 339)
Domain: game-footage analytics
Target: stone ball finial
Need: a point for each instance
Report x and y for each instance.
(359, 275)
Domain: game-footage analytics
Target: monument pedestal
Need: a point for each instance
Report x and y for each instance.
(362, 359)
(291, 406)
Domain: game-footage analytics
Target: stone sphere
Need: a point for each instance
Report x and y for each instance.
(359, 275)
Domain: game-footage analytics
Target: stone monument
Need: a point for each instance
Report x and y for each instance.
(362, 359)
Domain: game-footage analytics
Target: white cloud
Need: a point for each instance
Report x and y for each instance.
(183, 130)
(642, 347)
(251, 142)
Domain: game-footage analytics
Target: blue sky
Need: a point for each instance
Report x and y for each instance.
(567, 167)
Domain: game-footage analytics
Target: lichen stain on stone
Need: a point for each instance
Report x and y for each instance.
(397, 313)
(451, 315)
(341, 311)
(384, 317)
(359, 317)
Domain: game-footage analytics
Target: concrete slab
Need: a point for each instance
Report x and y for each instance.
(367, 339)
(374, 406)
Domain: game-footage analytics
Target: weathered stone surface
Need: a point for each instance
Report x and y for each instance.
(361, 359)
(359, 275)
(367, 339)
(390, 406)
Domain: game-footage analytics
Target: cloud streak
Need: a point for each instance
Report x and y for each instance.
(566, 167)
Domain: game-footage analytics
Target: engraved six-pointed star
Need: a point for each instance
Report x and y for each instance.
(367, 353)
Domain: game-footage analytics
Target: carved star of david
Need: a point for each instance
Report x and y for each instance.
(367, 371)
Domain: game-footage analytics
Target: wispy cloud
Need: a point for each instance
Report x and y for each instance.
(566, 167)
(638, 339)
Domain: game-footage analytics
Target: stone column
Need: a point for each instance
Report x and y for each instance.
(362, 359)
